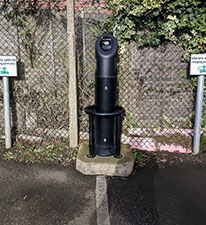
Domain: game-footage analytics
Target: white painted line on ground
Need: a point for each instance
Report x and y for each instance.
(102, 201)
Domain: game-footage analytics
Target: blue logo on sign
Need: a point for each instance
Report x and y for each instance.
(202, 69)
(3, 71)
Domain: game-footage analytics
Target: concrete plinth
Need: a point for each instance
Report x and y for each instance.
(108, 166)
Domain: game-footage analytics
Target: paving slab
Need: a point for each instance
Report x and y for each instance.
(45, 195)
(108, 166)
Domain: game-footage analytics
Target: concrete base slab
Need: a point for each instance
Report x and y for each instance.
(108, 166)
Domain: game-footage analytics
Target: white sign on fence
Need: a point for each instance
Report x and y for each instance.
(8, 67)
(198, 64)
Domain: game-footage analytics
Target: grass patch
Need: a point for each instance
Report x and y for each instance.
(41, 154)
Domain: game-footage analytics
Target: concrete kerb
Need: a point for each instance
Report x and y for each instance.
(108, 166)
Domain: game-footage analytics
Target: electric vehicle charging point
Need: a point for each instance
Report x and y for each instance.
(105, 119)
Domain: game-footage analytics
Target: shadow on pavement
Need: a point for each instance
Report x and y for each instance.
(153, 195)
(131, 200)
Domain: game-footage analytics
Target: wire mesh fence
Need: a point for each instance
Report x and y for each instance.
(157, 96)
(87, 31)
(39, 96)
(154, 88)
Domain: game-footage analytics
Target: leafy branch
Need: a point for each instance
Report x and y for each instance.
(150, 22)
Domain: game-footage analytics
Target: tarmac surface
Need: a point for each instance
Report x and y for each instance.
(174, 195)
(45, 195)
(57, 195)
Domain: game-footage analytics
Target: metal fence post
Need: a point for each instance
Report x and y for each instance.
(198, 115)
(7, 112)
(73, 110)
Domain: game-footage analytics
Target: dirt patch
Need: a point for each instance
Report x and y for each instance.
(61, 155)
(161, 159)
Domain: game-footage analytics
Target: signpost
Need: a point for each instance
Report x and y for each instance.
(198, 67)
(8, 68)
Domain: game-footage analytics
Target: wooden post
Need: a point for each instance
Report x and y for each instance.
(73, 110)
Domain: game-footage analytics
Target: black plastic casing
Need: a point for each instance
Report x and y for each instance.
(105, 94)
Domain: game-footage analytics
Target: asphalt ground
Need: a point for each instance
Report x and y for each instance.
(173, 195)
(45, 195)
(57, 195)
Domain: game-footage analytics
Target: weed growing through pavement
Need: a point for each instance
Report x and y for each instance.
(139, 159)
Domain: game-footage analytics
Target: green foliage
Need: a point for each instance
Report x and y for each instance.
(41, 154)
(150, 22)
(140, 160)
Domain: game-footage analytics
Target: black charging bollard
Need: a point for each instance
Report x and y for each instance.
(105, 117)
